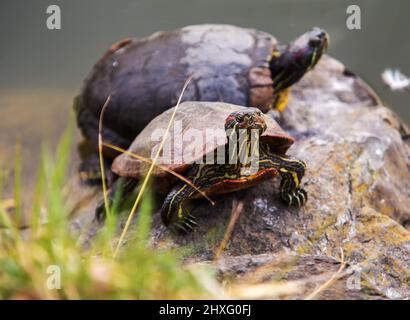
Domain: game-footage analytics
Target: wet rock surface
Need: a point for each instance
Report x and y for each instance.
(358, 181)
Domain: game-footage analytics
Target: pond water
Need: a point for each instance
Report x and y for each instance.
(42, 70)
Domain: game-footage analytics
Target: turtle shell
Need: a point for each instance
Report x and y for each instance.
(197, 130)
(145, 77)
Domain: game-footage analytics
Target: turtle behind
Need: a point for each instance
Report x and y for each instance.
(228, 64)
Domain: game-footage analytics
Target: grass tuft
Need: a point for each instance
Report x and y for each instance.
(46, 262)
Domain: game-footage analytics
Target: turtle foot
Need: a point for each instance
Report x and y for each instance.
(295, 198)
(185, 225)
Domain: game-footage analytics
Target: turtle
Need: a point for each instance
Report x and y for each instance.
(227, 63)
(231, 148)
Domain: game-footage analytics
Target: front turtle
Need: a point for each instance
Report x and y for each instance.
(231, 148)
(228, 64)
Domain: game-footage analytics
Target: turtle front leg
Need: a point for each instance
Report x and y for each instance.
(291, 171)
(290, 190)
(174, 213)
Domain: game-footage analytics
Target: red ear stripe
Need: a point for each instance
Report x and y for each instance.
(230, 118)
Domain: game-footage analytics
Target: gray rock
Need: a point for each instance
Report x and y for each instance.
(358, 181)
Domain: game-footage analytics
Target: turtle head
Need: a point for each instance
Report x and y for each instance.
(289, 63)
(245, 120)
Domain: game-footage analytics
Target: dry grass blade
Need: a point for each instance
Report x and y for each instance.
(100, 154)
(146, 179)
(181, 177)
(236, 212)
(331, 279)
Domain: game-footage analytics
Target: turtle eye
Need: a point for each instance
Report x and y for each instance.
(315, 42)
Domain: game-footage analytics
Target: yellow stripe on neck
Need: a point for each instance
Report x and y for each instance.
(294, 175)
(172, 201)
(282, 100)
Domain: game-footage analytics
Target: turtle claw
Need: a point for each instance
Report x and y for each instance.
(181, 228)
(192, 221)
(295, 198)
(184, 225)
